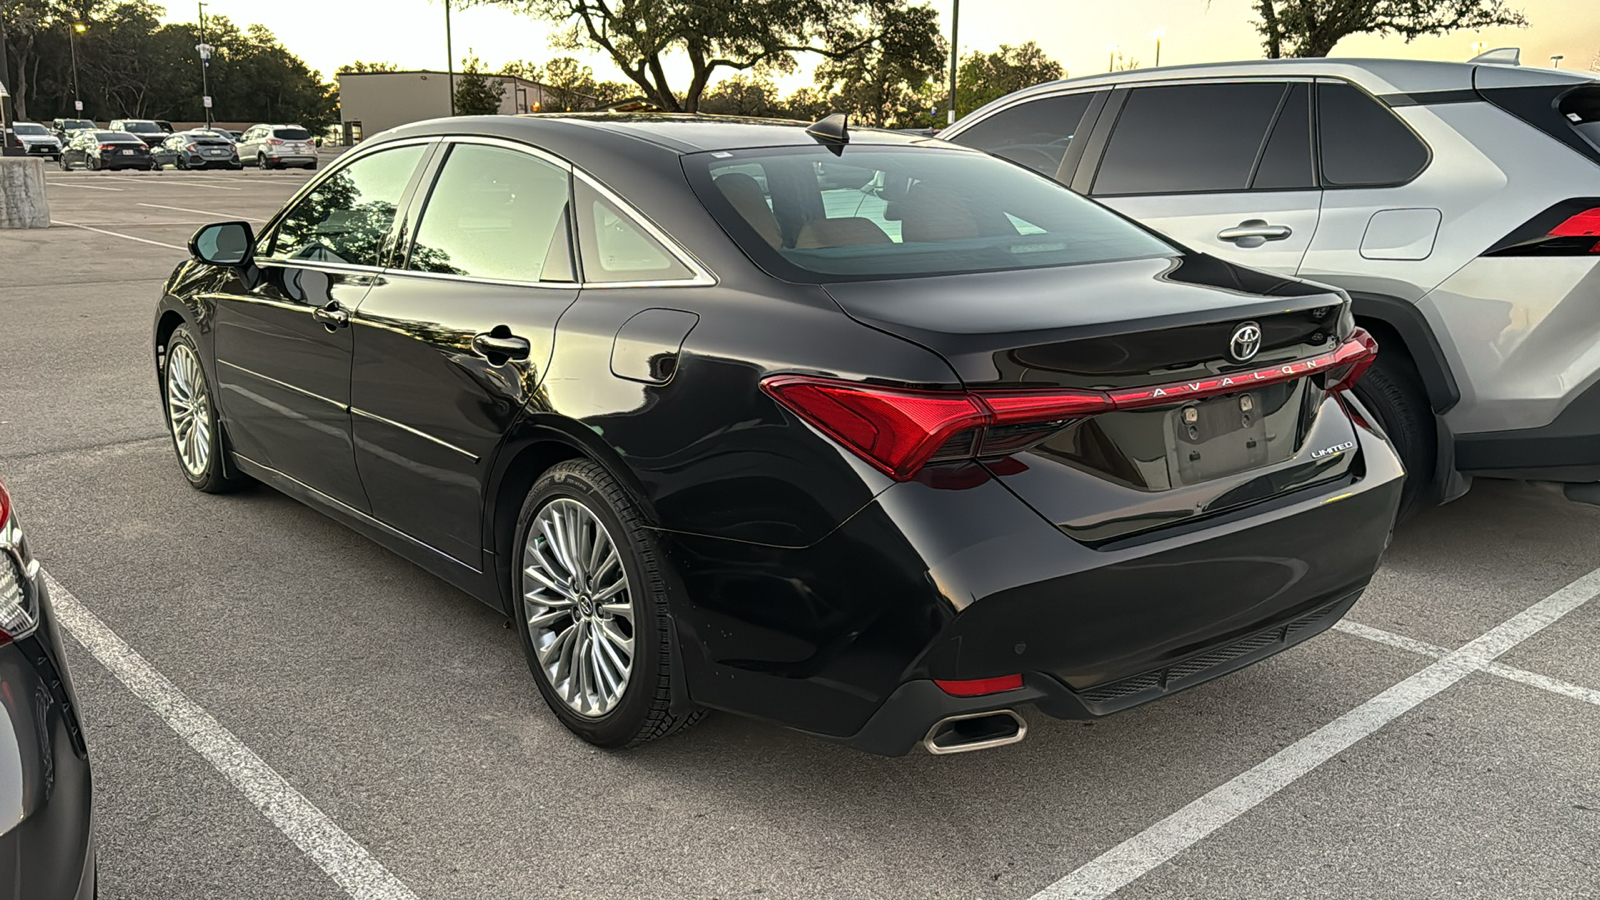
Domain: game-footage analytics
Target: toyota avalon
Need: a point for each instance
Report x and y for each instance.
(867, 434)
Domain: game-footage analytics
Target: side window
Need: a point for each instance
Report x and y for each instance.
(1362, 142)
(495, 213)
(1188, 138)
(614, 249)
(347, 216)
(1035, 134)
(1286, 161)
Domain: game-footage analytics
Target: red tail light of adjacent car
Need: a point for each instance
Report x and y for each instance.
(19, 613)
(900, 430)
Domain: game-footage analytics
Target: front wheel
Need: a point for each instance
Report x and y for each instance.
(192, 417)
(62, 162)
(592, 606)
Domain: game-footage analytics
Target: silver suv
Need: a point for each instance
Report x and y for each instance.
(1457, 203)
(278, 146)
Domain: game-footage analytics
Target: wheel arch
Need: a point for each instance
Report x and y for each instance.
(538, 442)
(1399, 324)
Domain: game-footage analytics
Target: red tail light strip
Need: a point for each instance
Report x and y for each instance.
(899, 430)
(977, 687)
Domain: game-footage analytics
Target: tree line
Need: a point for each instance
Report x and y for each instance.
(130, 65)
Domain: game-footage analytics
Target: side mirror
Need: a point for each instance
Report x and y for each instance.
(223, 244)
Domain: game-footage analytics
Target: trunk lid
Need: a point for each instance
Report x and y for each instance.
(1149, 332)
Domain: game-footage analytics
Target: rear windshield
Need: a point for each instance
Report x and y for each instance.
(116, 137)
(142, 127)
(872, 212)
(291, 134)
(208, 137)
(24, 128)
(75, 124)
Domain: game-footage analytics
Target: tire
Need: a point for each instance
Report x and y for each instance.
(310, 168)
(261, 162)
(582, 494)
(94, 164)
(1392, 390)
(186, 397)
(62, 162)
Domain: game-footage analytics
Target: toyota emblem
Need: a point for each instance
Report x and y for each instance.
(1246, 341)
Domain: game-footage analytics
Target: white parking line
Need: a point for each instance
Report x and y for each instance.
(1511, 673)
(87, 187)
(319, 837)
(203, 212)
(1138, 855)
(126, 237)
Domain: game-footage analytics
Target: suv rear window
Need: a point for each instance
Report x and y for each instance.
(291, 134)
(1363, 143)
(877, 212)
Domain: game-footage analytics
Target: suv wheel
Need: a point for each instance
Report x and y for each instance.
(1392, 391)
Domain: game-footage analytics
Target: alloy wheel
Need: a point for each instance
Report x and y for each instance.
(578, 607)
(189, 410)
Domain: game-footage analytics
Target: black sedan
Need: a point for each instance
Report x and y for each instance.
(47, 848)
(863, 433)
(199, 149)
(106, 150)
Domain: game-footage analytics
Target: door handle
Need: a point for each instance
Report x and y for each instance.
(505, 346)
(1254, 233)
(331, 316)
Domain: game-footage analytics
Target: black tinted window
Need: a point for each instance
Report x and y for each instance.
(291, 134)
(495, 213)
(346, 218)
(1035, 134)
(1187, 138)
(1286, 163)
(1363, 143)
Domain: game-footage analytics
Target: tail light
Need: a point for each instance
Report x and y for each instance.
(274, 142)
(19, 599)
(1569, 228)
(900, 430)
(108, 146)
(192, 148)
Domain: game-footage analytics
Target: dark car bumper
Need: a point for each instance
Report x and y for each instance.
(843, 639)
(49, 851)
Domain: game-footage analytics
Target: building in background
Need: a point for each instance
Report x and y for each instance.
(370, 102)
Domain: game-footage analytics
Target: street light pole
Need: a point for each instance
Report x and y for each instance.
(205, 66)
(6, 149)
(450, 57)
(1111, 58)
(72, 41)
(1555, 61)
(1158, 34)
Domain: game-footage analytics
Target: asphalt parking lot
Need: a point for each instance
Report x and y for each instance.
(278, 708)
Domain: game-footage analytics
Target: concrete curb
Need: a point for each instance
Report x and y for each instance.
(23, 203)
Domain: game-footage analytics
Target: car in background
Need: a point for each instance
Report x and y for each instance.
(106, 150)
(164, 125)
(874, 436)
(1457, 203)
(198, 149)
(147, 130)
(63, 128)
(278, 147)
(47, 844)
(234, 136)
(37, 140)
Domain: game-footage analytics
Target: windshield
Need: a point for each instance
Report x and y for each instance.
(75, 124)
(142, 127)
(804, 214)
(25, 128)
(291, 134)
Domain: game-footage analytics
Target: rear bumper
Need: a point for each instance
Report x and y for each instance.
(1567, 449)
(843, 639)
(49, 851)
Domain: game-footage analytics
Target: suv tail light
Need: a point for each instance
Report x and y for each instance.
(1569, 228)
(19, 609)
(274, 141)
(899, 430)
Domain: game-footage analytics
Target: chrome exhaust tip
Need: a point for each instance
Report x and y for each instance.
(975, 731)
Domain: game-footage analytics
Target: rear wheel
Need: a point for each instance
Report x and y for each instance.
(592, 608)
(1392, 390)
(62, 162)
(192, 417)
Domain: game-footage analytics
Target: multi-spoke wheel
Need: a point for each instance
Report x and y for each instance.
(191, 417)
(593, 609)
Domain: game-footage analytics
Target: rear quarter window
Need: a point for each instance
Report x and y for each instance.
(1363, 143)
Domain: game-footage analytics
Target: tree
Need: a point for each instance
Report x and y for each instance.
(569, 85)
(359, 66)
(609, 92)
(1298, 28)
(477, 94)
(881, 83)
(989, 76)
(1124, 64)
(739, 95)
(809, 104)
(762, 36)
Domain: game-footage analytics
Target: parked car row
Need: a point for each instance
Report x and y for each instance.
(78, 142)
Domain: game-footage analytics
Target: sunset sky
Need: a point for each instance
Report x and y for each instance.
(330, 33)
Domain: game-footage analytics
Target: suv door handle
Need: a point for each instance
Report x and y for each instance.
(331, 316)
(507, 346)
(1254, 232)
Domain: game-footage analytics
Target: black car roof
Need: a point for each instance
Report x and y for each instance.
(677, 133)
